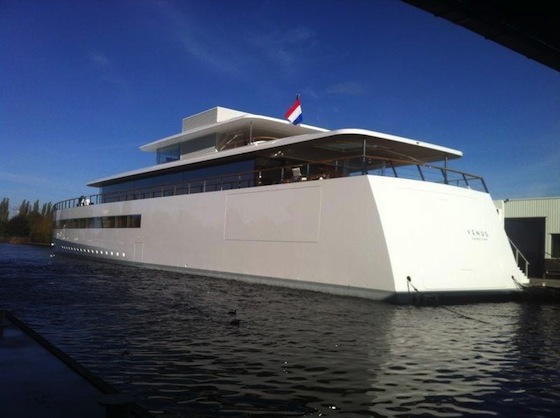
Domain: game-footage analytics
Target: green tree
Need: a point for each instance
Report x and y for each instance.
(23, 209)
(29, 224)
(41, 230)
(46, 210)
(4, 216)
(34, 219)
(18, 226)
(5, 210)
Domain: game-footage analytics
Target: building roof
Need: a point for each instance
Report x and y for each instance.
(529, 28)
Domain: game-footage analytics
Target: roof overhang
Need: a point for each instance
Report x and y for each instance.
(260, 125)
(389, 146)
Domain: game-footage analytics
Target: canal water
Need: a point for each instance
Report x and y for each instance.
(173, 342)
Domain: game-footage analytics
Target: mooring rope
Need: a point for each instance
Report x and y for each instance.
(409, 280)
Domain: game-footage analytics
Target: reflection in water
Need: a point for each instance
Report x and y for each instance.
(446, 360)
(168, 339)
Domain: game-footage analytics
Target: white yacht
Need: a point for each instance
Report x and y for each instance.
(349, 211)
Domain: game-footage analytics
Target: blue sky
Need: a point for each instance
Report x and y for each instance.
(85, 83)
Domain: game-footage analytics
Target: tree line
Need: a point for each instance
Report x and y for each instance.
(32, 223)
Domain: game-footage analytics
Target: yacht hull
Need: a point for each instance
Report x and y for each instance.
(369, 236)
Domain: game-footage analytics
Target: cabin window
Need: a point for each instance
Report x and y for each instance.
(120, 222)
(123, 221)
(133, 221)
(168, 154)
(108, 221)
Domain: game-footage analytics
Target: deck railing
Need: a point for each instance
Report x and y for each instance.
(351, 166)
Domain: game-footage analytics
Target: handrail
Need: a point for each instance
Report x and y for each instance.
(518, 254)
(342, 167)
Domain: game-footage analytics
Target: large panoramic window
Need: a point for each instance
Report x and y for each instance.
(219, 177)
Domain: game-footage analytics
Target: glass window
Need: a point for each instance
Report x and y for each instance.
(229, 175)
(121, 222)
(124, 221)
(168, 154)
(134, 221)
(108, 222)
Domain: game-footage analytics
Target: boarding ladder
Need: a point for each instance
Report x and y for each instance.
(520, 259)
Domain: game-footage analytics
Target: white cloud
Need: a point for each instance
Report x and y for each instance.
(100, 60)
(107, 70)
(239, 53)
(348, 88)
(24, 179)
(285, 51)
(198, 40)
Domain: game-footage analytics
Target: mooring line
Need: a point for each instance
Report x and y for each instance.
(409, 280)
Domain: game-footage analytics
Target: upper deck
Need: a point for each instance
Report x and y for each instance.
(229, 149)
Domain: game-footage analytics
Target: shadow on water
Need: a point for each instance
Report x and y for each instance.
(194, 346)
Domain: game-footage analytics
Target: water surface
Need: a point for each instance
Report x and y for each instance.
(168, 339)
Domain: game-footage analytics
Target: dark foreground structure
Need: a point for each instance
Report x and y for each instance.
(39, 380)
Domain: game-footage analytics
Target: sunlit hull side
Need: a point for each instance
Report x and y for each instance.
(376, 237)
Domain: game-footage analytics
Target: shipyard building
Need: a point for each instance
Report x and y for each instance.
(533, 226)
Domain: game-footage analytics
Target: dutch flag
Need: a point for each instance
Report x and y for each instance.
(294, 113)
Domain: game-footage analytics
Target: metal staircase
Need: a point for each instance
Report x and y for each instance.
(520, 259)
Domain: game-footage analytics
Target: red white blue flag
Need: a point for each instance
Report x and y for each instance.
(294, 113)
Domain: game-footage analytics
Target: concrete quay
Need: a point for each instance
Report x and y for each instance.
(40, 381)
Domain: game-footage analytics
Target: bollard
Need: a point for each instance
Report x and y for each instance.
(117, 405)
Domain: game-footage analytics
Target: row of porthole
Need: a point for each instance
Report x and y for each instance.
(98, 252)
